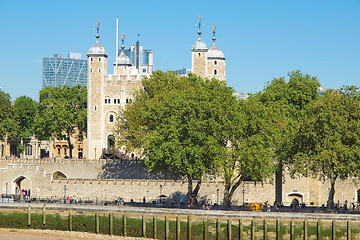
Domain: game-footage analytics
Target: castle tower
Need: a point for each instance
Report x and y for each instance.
(216, 65)
(97, 70)
(199, 56)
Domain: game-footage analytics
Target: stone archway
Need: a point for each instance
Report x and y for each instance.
(295, 198)
(58, 175)
(22, 183)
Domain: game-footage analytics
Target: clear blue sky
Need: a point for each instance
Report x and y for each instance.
(260, 39)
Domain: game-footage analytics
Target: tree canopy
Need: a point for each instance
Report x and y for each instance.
(62, 113)
(327, 144)
(6, 114)
(175, 120)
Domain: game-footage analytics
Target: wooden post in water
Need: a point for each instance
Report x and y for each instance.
(70, 221)
(291, 229)
(305, 229)
(177, 228)
(217, 229)
(333, 234)
(124, 225)
(265, 229)
(205, 229)
(318, 229)
(29, 216)
(97, 223)
(167, 233)
(252, 229)
(44, 216)
(277, 229)
(154, 227)
(143, 226)
(348, 228)
(111, 224)
(240, 230)
(189, 227)
(229, 229)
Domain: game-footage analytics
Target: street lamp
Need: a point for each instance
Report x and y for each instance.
(217, 201)
(64, 194)
(243, 191)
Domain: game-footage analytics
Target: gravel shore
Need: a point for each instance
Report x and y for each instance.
(35, 234)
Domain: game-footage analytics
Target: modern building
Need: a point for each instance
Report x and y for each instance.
(140, 58)
(183, 71)
(58, 71)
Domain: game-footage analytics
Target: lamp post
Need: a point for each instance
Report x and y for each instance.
(64, 194)
(243, 191)
(217, 200)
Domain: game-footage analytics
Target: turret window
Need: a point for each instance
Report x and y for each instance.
(199, 54)
(114, 101)
(95, 108)
(111, 118)
(215, 63)
(215, 72)
(91, 59)
(99, 69)
(91, 70)
(118, 101)
(99, 59)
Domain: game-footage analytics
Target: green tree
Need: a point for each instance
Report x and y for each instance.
(25, 110)
(6, 115)
(62, 113)
(285, 102)
(327, 144)
(172, 121)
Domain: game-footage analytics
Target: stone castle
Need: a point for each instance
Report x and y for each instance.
(93, 179)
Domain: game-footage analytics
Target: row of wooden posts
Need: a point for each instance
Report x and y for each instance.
(205, 227)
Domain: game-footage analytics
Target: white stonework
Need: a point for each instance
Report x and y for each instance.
(107, 94)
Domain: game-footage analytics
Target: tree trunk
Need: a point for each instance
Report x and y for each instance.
(278, 182)
(192, 194)
(70, 147)
(229, 191)
(330, 202)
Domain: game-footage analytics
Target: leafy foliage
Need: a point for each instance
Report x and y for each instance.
(62, 113)
(328, 141)
(6, 114)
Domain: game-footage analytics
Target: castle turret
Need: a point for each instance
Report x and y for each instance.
(97, 70)
(199, 56)
(122, 61)
(216, 65)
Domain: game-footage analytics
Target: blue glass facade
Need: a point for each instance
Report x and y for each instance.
(58, 71)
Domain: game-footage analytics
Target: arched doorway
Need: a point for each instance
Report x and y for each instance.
(59, 175)
(295, 198)
(22, 186)
(111, 142)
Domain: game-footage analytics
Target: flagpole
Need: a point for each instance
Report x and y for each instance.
(117, 45)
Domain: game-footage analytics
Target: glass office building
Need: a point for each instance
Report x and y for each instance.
(58, 71)
(140, 58)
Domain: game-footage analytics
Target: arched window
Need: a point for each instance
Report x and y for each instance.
(95, 108)
(28, 150)
(105, 100)
(215, 72)
(199, 54)
(99, 69)
(91, 70)
(91, 59)
(215, 63)
(118, 101)
(114, 101)
(99, 59)
(111, 118)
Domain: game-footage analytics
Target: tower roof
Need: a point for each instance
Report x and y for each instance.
(214, 52)
(122, 59)
(97, 49)
(199, 45)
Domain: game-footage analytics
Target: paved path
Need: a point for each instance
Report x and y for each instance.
(197, 212)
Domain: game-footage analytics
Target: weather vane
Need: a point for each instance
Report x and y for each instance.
(122, 40)
(97, 28)
(199, 24)
(214, 30)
